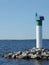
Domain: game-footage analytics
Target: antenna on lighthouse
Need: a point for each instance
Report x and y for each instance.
(36, 14)
(39, 20)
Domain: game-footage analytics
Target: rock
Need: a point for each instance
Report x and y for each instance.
(19, 57)
(44, 58)
(34, 53)
(13, 56)
(24, 54)
(32, 56)
(43, 53)
(19, 53)
(8, 55)
(48, 57)
(22, 57)
(38, 53)
(43, 50)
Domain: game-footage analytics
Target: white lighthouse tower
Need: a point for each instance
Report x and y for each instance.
(39, 20)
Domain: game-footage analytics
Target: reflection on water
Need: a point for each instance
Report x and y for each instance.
(37, 62)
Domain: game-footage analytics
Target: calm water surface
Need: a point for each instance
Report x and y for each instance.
(7, 46)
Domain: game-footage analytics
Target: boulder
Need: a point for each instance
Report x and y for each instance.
(34, 53)
(8, 55)
(19, 53)
(32, 56)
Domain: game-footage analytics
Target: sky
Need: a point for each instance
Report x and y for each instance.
(17, 18)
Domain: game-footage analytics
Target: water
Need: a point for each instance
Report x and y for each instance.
(7, 46)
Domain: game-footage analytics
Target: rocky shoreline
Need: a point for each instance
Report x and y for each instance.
(34, 53)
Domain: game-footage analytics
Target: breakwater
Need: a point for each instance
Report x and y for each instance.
(34, 53)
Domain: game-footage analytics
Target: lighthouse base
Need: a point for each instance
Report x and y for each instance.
(34, 53)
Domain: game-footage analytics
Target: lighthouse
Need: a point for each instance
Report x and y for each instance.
(39, 20)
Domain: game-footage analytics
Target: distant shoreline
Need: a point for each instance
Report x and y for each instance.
(19, 39)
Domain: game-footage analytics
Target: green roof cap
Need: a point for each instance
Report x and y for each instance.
(39, 22)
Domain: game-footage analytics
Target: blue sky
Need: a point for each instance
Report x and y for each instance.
(17, 18)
